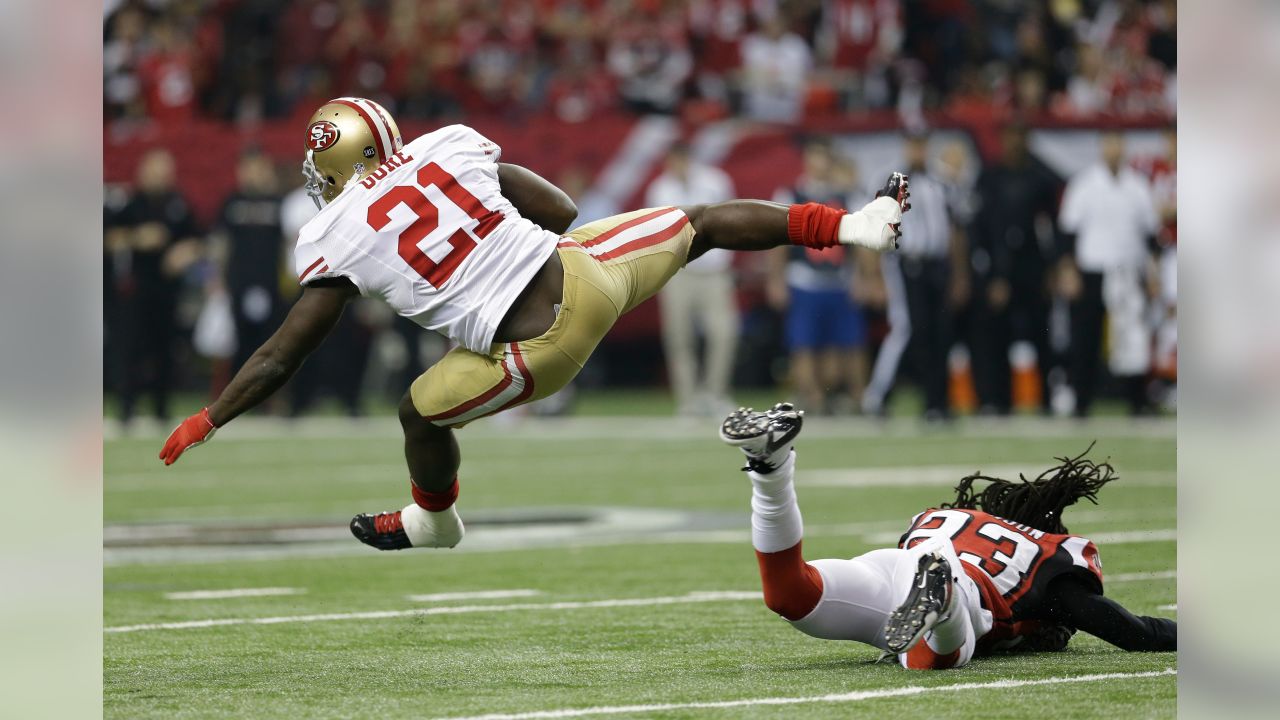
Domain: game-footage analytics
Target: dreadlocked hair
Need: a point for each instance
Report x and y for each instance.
(1038, 503)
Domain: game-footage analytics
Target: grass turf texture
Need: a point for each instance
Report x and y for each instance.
(540, 659)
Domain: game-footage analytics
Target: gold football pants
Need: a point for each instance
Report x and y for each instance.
(610, 266)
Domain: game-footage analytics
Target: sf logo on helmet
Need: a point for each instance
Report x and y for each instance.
(322, 135)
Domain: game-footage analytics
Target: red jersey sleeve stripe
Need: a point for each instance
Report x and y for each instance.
(307, 272)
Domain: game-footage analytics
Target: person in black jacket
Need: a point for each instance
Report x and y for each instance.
(1012, 253)
(250, 222)
(152, 241)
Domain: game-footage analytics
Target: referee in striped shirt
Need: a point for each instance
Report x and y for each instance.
(918, 282)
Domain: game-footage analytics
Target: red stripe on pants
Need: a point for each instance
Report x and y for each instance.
(613, 231)
(490, 394)
(647, 241)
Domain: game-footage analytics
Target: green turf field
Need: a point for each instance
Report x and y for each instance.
(618, 551)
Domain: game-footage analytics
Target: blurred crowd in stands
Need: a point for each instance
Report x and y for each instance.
(167, 61)
(995, 302)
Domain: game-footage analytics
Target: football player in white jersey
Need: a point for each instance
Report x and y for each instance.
(476, 250)
(992, 570)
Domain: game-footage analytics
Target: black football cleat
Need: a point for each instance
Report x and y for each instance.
(762, 434)
(920, 612)
(898, 187)
(384, 531)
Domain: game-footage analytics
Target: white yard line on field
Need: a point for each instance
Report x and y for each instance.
(849, 697)
(474, 595)
(233, 593)
(693, 597)
(1140, 576)
(1134, 536)
(1172, 606)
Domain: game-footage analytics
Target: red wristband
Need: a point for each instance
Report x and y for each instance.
(813, 225)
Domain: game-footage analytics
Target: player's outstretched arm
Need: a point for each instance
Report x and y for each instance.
(308, 323)
(536, 198)
(1078, 605)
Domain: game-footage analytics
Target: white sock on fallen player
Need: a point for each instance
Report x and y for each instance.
(954, 629)
(775, 514)
(424, 528)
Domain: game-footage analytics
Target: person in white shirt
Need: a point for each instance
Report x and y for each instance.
(699, 297)
(775, 65)
(1109, 219)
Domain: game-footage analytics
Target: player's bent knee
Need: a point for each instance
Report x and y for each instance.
(412, 420)
(796, 599)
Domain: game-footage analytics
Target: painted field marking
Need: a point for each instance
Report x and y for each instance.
(947, 475)
(474, 595)
(610, 427)
(1171, 606)
(233, 593)
(1135, 536)
(693, 597)
(1140, 576)
(1106, 538)
(855, 696)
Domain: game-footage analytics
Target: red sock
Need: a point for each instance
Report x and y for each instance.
(813, 225)
(922, 657)
(792, 587)
(435, 501)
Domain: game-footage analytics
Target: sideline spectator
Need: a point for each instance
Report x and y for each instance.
(927, 263)
(251, 237)
(826, 330)
(775, 65)
(699, 297)
(1109, 221)
(1012, 250)
(156, 246)
(651, 61)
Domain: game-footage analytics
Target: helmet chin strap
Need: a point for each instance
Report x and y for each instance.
(315, 181)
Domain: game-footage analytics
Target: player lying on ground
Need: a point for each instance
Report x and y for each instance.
(473, 248)
(994, 570)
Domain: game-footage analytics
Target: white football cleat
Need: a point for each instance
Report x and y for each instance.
(925, 606)
(764, 437)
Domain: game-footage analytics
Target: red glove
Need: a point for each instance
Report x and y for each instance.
(193, 431)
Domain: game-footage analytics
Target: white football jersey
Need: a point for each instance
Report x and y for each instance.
(430, 233)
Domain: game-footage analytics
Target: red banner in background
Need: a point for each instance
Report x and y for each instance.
(762, 156)
(206, 152)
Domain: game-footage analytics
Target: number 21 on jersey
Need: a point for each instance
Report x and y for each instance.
(427, 222)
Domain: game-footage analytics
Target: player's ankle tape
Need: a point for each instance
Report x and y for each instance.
(435, 501)
(813, 225)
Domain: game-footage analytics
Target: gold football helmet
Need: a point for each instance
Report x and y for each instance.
(346, 139)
